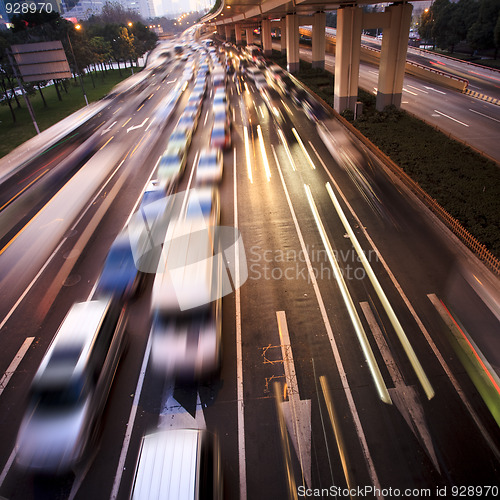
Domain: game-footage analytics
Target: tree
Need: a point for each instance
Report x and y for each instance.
(114, 13)
(101, 50)
(481, 34)
(425, 27)
(144, 39)
(496, 34)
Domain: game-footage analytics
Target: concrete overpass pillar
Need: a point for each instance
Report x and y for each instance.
(237, 33)
(292, 43)
(249, 34)
(318, 40)
(393, 56)
(283, 35)
(267, 42)
(349, 22)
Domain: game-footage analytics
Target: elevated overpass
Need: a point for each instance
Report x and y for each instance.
(236, 20)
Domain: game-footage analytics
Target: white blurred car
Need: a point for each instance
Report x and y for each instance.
(210, 166)
(172, 164)
(70, 388)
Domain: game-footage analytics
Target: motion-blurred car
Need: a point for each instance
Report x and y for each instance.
(70, 388)
(193, 109)
(188, 120)
(221, 114)
(172, 164)
(210, 165)
(220, 97)
(119, 276)
(221, 135)
(180, 138)
(204, 202)
(153, 192)
(186, 297)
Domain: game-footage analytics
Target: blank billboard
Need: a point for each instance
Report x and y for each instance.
(41, 61)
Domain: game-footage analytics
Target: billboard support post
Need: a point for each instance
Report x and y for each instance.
(21, 86)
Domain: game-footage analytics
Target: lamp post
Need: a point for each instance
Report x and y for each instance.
(77, 27)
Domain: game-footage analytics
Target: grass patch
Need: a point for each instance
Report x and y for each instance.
(14, 134)
(464, 183)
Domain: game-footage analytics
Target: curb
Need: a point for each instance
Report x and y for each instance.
(482, 97)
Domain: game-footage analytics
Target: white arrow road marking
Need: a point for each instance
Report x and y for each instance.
(107, 129)
(138, 126)
(174, 416)
(403, 396)
(435, 90)
(297, 412)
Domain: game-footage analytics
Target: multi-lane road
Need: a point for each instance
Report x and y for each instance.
(469, 119)
(347, 313)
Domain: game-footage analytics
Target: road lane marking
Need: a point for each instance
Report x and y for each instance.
(15, 363)
(301, 144)
(486, 116)
(130, 423)
(378, 380)
(239, 350)
(417, 319)
(409, 91)
(450, 118)
(22, 190)
(247, 151)
(287, 149)
(126, 122)
(336, 354)
(420, 90)
(404, 396)
(8, 465)
(435, 90)
(415, 363)
(297, 412)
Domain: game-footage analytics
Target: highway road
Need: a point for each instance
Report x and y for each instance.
(352, 287)
(461, 116)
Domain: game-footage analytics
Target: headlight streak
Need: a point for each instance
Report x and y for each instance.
(287, 149)
(247, 151)
(289, 111)
(301, 144)
(417, 367)
(23, 189)
(351, 309)
(264, 154)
